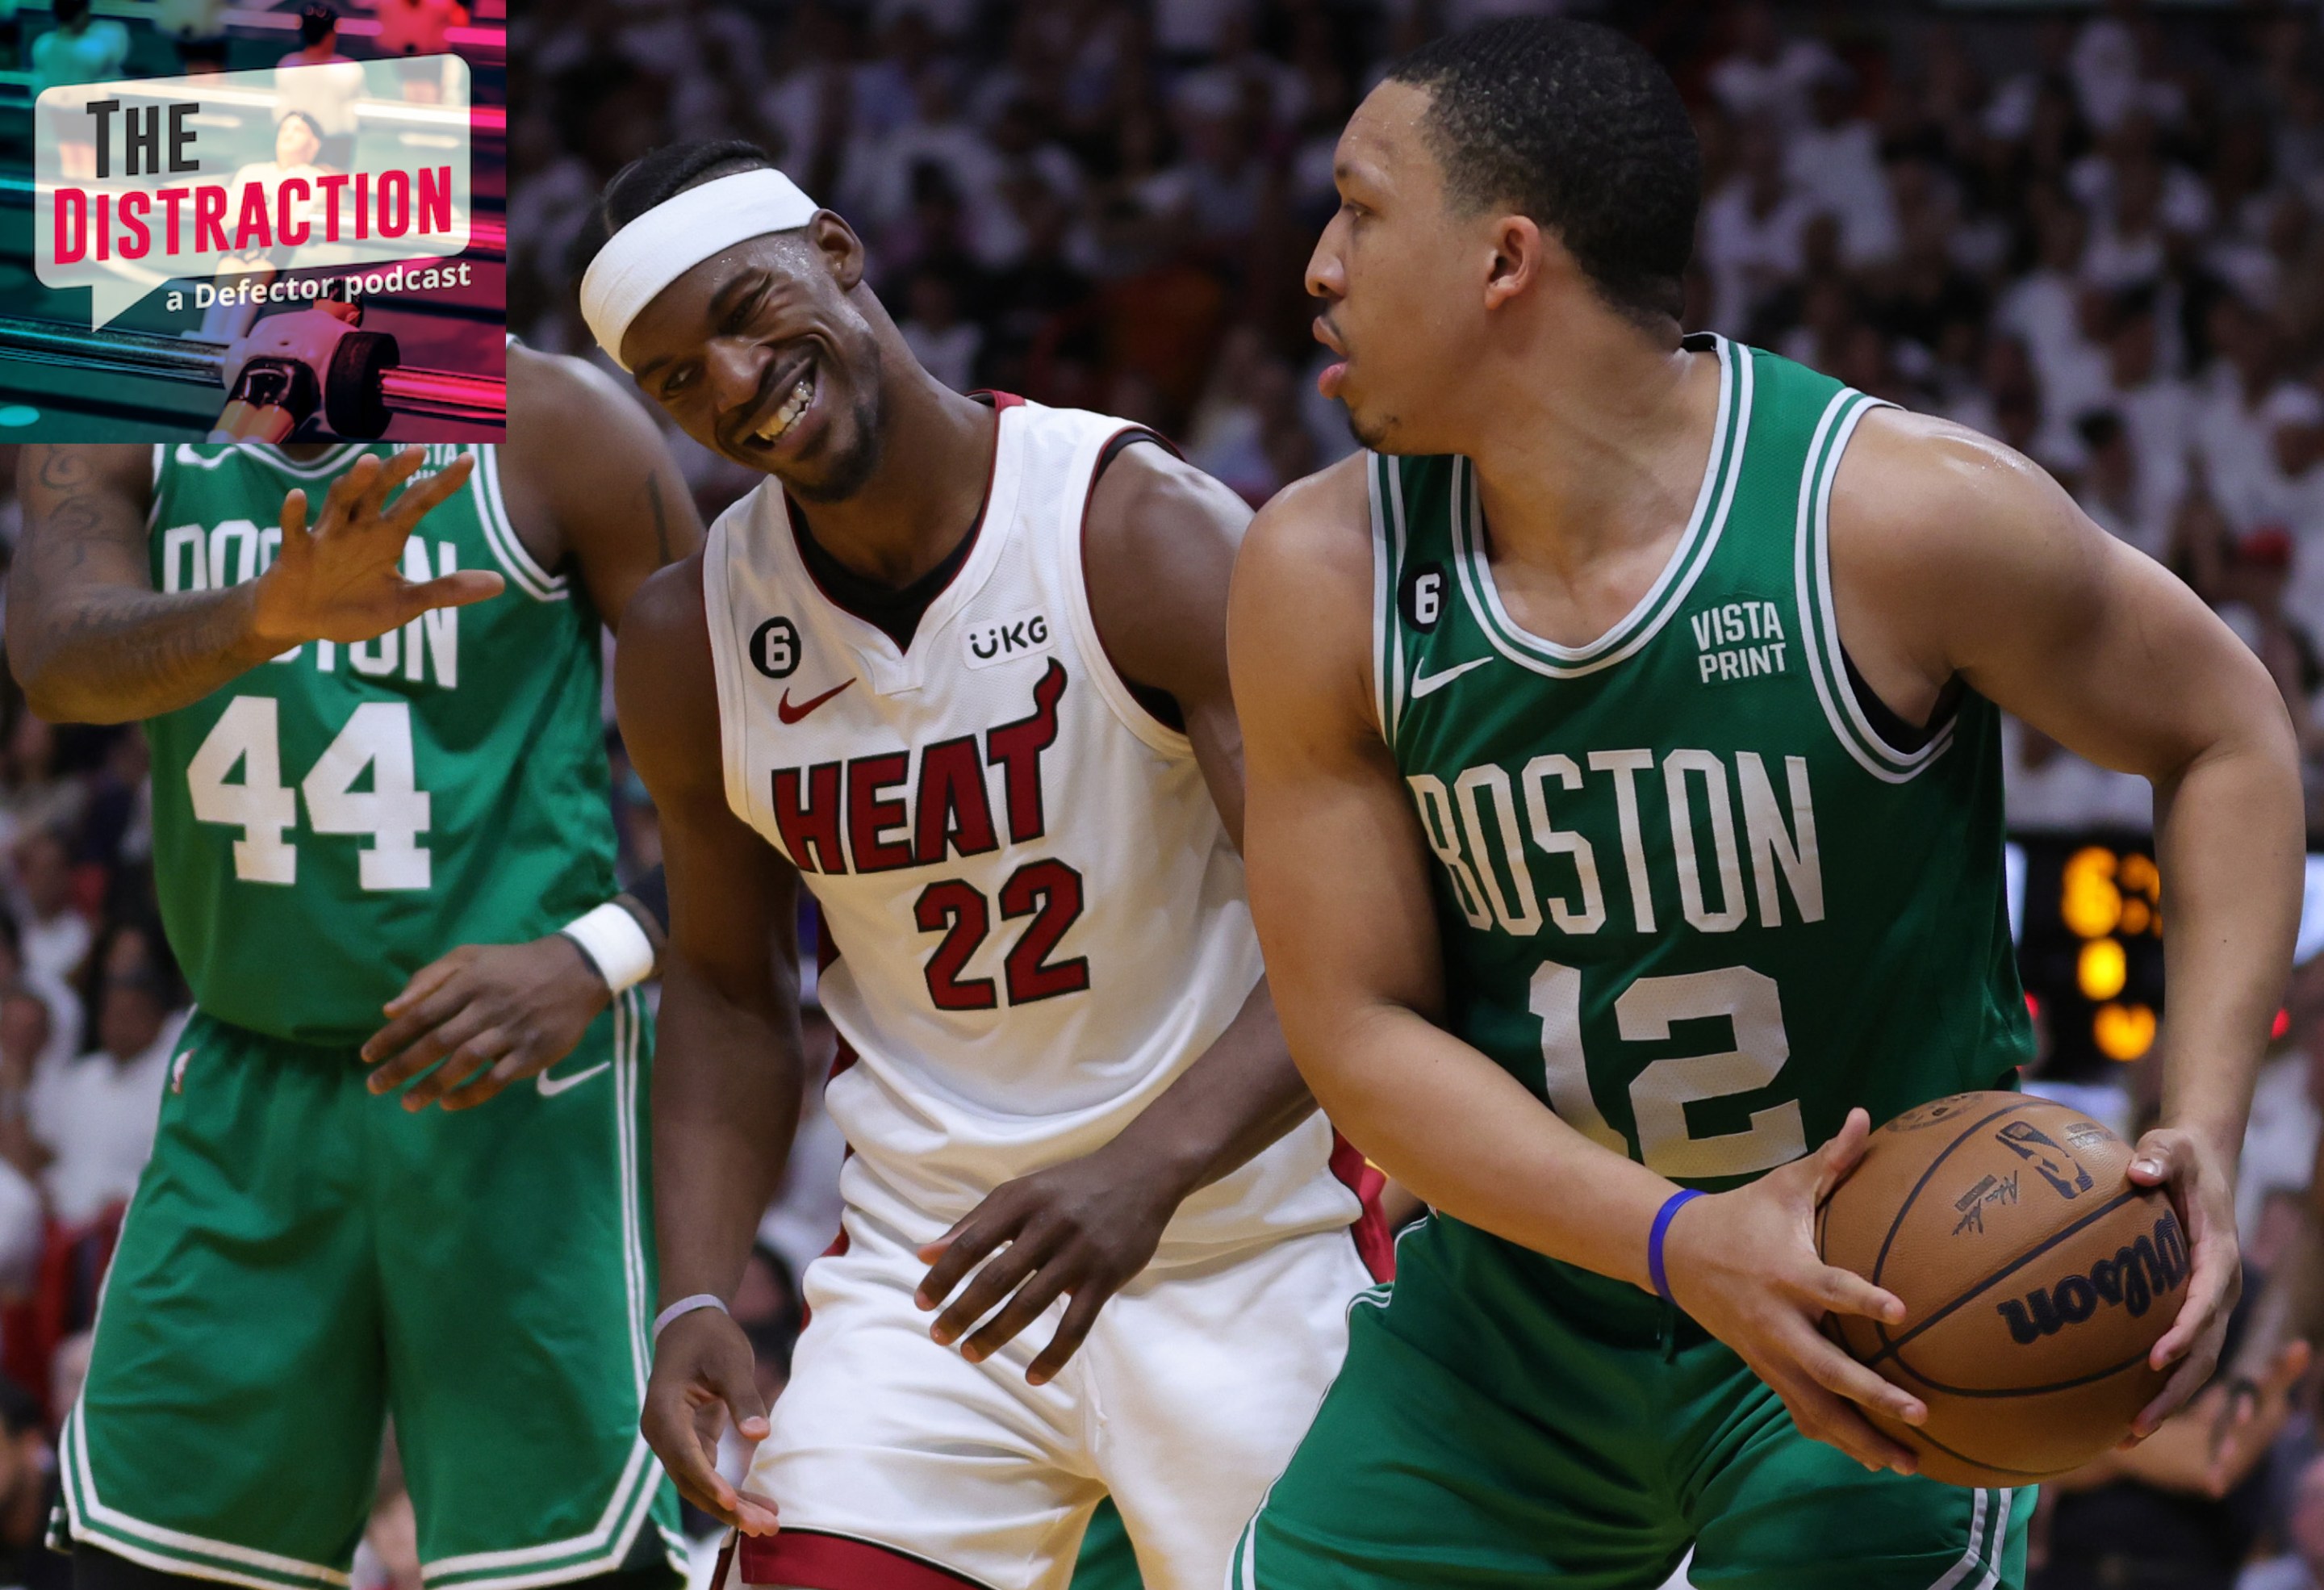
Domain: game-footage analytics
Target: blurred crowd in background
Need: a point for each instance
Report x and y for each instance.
(2094, 233)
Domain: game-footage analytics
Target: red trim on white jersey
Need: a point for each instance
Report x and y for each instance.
(811, 1561)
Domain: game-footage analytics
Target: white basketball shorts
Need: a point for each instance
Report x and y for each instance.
(1185, 1403)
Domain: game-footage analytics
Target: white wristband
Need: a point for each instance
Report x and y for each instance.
(615, 944)
(684, 1306)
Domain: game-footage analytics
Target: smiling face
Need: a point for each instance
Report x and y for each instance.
(1399, 270)
(763, 354)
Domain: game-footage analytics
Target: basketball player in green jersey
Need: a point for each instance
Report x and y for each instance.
(373, 742)
(1626, 824)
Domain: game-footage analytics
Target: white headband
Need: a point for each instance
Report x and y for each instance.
(677, 234)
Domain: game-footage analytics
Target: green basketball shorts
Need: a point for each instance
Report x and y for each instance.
(302, 1261)
(1502, 1419)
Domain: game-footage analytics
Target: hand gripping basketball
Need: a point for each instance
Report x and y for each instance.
(1744, 1265)
(2202, 1187)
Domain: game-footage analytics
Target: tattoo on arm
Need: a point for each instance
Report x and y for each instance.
(90, 638)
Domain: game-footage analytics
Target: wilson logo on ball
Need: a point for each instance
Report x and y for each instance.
(2132, 1279)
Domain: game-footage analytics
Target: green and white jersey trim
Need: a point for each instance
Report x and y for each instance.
(523, 573)
(1663, 598)
(172, 1551)
(606, 1546)
(1819, 617)
(1989, 1537)
(1383, 483)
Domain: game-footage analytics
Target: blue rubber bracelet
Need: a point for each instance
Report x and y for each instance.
(1670, 1206)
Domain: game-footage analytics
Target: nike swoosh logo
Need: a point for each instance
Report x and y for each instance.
(790, 714)
(550, 1086)
(1424, 684)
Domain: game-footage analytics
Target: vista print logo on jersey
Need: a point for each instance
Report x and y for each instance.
(1720, 634)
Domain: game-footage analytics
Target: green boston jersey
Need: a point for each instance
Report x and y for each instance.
(1688, 890)
(335, 819)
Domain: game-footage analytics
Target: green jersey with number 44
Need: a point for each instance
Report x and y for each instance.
(1691, 889)
(337, 819)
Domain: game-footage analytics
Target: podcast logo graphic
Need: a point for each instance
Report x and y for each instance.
(218, 187)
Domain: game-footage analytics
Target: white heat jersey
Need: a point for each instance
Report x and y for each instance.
(1039, 921)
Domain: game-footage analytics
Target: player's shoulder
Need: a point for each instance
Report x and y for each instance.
(1318, 528)
(559, 383)
(1914, 489)
(1910, 471)
(1148, 501)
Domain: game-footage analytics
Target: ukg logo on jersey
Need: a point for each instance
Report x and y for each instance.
(236, 187)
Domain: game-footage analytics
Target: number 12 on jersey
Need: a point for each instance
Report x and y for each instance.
(394, 811)
(1661, 1092)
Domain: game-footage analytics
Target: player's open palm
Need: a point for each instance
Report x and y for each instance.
(1743, 1264)
(702, 1374)
(342, 579)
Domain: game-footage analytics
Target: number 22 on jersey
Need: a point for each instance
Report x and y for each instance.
(394, 811)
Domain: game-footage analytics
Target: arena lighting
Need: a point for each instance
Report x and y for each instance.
(2103, 969)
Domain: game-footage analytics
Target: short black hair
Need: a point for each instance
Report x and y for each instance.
(316, 23)
(1576, 126)
(657, 177)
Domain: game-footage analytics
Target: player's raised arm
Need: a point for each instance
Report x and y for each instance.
(92, 642)
(727, 1071)
(592, 487)
(1352, 953)
(1159, 551)
(1954, 556)
(613, 493)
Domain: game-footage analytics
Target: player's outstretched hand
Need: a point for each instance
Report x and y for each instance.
(343, 581)
(492, 1014)
(701, 1368)
(1743, 1264)
(1079, 1230)
(2203, 1190)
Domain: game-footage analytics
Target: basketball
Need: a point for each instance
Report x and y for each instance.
(2037, 1277)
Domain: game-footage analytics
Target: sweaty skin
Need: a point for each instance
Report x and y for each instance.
(725, 349)
(91, 641)
(1953, 557)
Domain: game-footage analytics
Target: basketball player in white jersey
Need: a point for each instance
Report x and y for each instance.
(960, 668)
